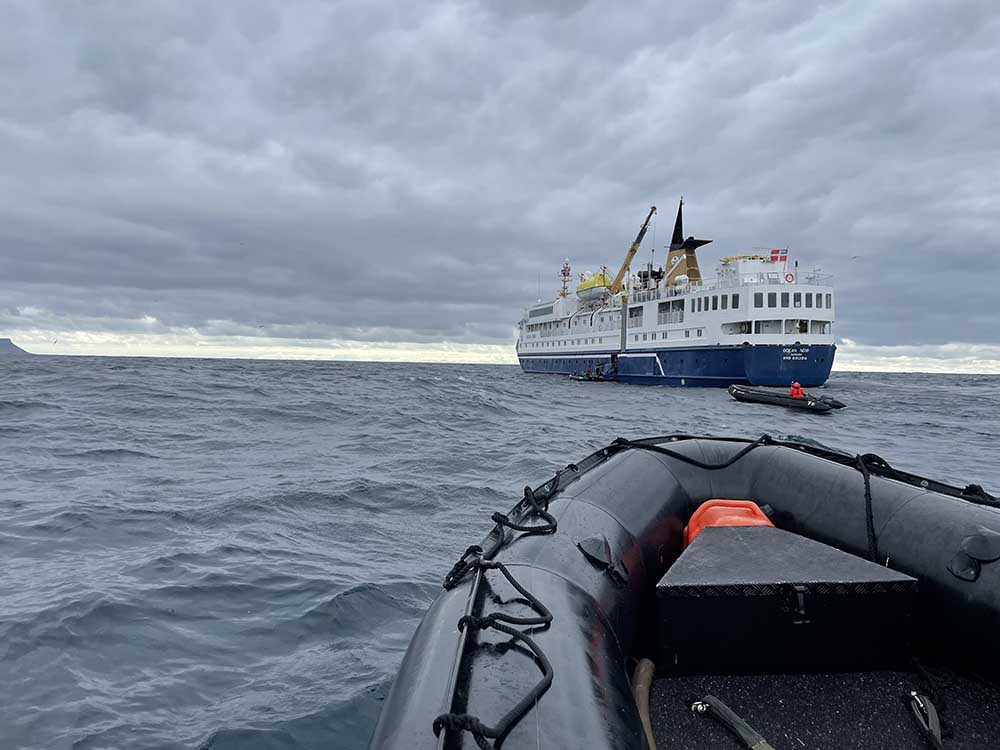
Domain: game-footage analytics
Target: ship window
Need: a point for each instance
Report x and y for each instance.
(725, 301)
(784, 299)
(819, 300)
(701, 329)
(687, 334)
(736, 301)
(829, 301)
(637, 337)
(643, 337)
(699, 304)
(797, 299)
(772, 299)
(756, 326)
(715, 302)
(809, 299)
(758, 299)
(692, 304)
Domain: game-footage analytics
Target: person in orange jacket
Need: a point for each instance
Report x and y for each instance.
(796, 390)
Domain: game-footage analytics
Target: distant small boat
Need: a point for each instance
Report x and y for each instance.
(595, 377)
(777, 398)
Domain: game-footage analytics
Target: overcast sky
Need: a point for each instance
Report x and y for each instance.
(321, 177)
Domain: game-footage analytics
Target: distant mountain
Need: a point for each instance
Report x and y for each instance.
(9, 349)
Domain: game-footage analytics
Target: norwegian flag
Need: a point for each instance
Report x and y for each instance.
(779, 255)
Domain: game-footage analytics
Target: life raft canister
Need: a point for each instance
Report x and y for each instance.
(724, 513)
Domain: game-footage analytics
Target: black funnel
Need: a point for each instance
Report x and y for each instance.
(678, 242)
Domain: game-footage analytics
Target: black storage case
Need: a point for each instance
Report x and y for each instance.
(759, 599)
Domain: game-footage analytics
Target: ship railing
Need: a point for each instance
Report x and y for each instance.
(733, 281)
(675, 316)
(648, 295)
(729, 281)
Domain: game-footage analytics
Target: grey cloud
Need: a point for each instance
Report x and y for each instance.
(406, 172)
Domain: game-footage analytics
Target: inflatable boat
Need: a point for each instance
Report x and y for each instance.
(698, 592)
(809, 402)
(598, 378)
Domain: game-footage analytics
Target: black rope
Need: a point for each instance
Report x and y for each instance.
(876, 465)
(502, 622)
(861, 462)
(623, 444)
(464, 564)
(533, 506)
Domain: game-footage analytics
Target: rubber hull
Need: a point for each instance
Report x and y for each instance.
(761, 396)
(639, 501)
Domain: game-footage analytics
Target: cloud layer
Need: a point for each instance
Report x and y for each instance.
(366, 172)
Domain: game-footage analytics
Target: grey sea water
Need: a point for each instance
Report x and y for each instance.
(234, 554)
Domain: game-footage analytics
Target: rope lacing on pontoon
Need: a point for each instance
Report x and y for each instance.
(498, 621)
(622, 444)
(534, 503)
(861, 462)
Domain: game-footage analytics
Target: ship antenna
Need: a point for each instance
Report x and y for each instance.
(652, 250)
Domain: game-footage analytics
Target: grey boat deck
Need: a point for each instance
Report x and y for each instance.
(850, 711)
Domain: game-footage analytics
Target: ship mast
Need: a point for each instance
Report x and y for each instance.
(616, 285)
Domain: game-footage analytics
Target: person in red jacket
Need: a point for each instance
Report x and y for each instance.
(796, 391)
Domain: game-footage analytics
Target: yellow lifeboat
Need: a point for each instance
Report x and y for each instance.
(594, 286)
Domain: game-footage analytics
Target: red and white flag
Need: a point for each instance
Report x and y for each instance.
(779, 255)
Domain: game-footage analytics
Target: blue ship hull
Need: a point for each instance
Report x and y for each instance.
(701, 366)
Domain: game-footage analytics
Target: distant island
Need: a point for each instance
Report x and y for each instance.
(9, 349)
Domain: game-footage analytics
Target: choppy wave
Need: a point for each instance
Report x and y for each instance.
(226, 554)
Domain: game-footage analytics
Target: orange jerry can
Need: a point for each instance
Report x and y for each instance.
(724, 513)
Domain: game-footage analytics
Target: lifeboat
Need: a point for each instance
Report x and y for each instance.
(593, 287)
(702, 592)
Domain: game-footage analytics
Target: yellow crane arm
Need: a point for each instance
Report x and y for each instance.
(616, 285)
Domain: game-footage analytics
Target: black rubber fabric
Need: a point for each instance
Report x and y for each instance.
(853, 711)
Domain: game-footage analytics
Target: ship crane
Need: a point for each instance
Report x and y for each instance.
(616, 285)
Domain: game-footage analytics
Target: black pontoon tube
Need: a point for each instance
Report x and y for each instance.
(619, 519)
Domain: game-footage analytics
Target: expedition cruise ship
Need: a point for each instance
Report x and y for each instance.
(761, 321)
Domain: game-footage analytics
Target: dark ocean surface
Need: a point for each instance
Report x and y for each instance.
(234, 554)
